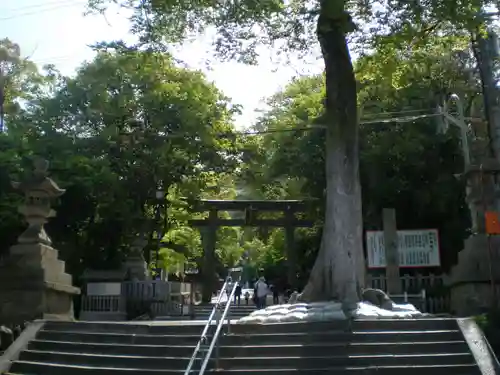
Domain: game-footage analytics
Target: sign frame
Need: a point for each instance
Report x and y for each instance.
(370, 258)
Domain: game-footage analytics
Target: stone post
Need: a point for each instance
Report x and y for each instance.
(33, 281)
(391, 252)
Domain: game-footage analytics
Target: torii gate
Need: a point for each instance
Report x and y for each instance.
(208, 229)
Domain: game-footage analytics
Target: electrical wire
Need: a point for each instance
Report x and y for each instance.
(229, 135)
(400, 119)
(34, 11)
(407, 111)
(42, 4)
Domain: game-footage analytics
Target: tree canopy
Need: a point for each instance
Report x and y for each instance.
(127, 122)
(131, 121)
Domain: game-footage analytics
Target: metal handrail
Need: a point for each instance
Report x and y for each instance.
(203, 337)
(218, 330)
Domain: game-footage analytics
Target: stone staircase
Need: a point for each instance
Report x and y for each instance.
(67, 348)
(202, 311)
(400, 347)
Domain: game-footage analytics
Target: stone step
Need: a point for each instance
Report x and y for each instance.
(39, 368)
(403, 324)
(341, 337)
(326, 349)
(234, 363)
(22, 367)
(101, 360)
(332, 360)
(113, 349)
(232, 312)
(253, 351)
(238, 310)
(383, 370)
(120, 338)
(150, 328)
(232, 316)
(345, 325)
(235, 309)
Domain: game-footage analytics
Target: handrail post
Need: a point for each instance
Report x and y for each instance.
(217, 314)
(217, 353)
(214, 341)
(203, 337)
(229, 318)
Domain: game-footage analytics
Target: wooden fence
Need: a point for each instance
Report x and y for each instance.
(437, 299)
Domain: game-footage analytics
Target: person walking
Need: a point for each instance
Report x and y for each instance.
(247, 297)
(276, 295)
(262, 290)
(237, 294)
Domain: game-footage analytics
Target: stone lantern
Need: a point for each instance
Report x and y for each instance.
(33, 281)
(38, 190)
(135, 264)
(474, 279)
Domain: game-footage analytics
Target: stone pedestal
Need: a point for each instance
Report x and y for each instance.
(471, 287)
(473, 281)
(103, 288)
(137, 268)
(34, 285)
(33, 281)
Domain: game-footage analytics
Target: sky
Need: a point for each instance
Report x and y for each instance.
(57, 32)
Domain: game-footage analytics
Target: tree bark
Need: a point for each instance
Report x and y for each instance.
(339, 270)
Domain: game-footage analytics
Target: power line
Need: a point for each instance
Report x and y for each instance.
(39, 5)
(301, 129)
(400, 119)
(362, 122)
(406, 111)
(43, 10)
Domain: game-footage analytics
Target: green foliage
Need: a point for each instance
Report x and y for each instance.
(407, 165)
(131, 119)
(127, 121)
(395, 31)
(242, 28)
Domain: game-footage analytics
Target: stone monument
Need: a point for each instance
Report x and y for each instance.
(473, 280)
(34, 284)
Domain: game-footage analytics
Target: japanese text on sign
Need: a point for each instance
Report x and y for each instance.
(416, 248)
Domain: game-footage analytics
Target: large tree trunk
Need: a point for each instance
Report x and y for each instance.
(339, 271)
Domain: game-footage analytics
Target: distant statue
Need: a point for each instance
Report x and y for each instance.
(293, 297)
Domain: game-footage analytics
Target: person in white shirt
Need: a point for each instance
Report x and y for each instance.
(262, 290)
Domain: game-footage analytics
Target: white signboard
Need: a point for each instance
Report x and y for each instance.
(416, 248)
(104, 289)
